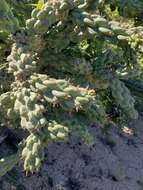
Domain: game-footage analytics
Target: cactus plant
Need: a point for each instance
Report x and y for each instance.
(61, 60)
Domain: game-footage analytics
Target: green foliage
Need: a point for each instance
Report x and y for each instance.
(68, 68)
(127, 8)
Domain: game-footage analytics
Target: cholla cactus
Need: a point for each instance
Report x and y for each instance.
(123, 98)
(62, 60)
(32, 153)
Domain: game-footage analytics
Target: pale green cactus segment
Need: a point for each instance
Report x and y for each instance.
(4, 98)
(57, 131)
(33, 153)
(63, 93)
(123, 98)
(21, 63)
(31, 113)
(50, 13)
(34, 13)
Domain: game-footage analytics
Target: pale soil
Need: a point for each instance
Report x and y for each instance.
(114, 162)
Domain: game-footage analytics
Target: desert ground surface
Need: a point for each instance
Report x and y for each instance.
(113, 162)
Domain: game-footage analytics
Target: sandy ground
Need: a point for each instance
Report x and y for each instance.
(113, 162)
